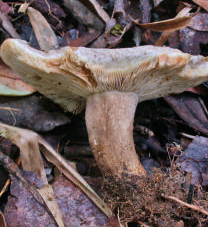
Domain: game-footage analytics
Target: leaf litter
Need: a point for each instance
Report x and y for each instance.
(161, 198)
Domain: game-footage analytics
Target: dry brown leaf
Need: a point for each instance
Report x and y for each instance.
(7, 25)
(202, 3)
(27, 141)
(76, 208)
(166, 34)
(168, 25)
(23, 181)
(163, 38)
(47, 40)
(100, 11)
(32, 112)
(11, 83)
(25, 203)
(18, 135)
(48, 196)
(85, 39)
(52, 156)
(84, 15)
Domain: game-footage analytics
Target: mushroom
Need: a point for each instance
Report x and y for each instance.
(110, 82)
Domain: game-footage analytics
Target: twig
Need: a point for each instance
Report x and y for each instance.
(142, 224)
(14, 170)
(193, 207)
(5, 187)
(50, 12)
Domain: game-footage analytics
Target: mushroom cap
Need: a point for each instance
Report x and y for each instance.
(69, 75)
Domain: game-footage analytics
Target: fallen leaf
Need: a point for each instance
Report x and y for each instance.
(191, 109)
(52, 156)
(202, 3)
(166, 34)
(191, 41)
(68, 196)
(85, 39)
(27, 141)
(194, 160)
(32, 112)
(28, 144)
(48, 196)
(199, 22)
(84, 15)
(13, 133)
(77, 210)
(100, 11)
(23, 209)
(116, 33)
(11, 167)
(145, 11)
(7, 25)
(167, 25)
(47, 39)
(51, 10)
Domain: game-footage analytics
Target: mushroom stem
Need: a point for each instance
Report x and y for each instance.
(110, 132)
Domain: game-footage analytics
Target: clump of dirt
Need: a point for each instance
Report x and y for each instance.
(142, 199)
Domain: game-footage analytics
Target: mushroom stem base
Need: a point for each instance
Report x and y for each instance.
(109, 120)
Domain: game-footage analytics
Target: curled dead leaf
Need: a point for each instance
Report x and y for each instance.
(167, 25)
(166, 34)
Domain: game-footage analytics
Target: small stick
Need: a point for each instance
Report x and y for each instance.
(11, 167)
(142, 224)
(5, 187)
(193, 207)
